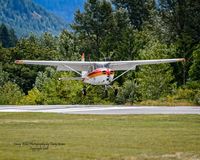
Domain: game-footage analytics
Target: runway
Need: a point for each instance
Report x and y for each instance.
(102, 109)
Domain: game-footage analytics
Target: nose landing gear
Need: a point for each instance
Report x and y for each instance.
(84, 91)
(116, 92)
(106, 90)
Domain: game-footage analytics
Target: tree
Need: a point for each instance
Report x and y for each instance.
(121, 41)
(182, 18)
(44, 77)
(34, 97)
(10, 93)
(54, 91)
(34, 48)
(128, 92)
(48, 41)
(195, 67)
(4, 36)
(4, 76)
(7, 37)
(69, 46)
(13, 38)
(155, 81)
(93, 25)
(138, 10)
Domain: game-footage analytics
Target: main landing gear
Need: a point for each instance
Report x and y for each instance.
(114, 89)
(84, 90)
(106, 91)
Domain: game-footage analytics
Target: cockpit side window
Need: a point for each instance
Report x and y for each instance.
(107, 65)
(91, 68)
(98, 66)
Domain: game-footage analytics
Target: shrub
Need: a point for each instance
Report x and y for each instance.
(10, 93)
(197, 98)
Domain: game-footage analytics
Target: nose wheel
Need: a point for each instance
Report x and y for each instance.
(116, 92)
(106, 91)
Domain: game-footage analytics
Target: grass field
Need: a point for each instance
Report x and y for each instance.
(42, 136)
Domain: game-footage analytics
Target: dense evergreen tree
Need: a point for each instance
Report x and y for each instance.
(94, 25)
(138, 10)
(7, 37)
(69, 46)
(195, 68)
(4, 76)
(182, 18)
(4, 36)
(121, 41)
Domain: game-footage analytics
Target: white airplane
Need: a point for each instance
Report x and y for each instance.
(96, 72)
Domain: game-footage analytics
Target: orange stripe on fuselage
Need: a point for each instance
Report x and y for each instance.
(99, 72)
(95, 75)
(95, 72)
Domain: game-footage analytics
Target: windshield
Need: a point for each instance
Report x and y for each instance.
(97, 65)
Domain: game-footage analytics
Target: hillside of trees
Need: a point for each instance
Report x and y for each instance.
(62, 8)
(25, 16)
(121, 30)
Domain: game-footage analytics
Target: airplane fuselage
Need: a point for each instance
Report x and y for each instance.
(99, 76)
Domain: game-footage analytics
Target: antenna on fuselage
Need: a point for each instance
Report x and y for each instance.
(83, 73)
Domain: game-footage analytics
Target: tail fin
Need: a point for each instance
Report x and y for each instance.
(83, 73)
(83, 57)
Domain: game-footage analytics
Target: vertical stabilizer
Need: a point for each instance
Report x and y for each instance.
(83, 73)
(83, 57)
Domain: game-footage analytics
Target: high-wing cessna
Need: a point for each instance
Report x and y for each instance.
(96, 72)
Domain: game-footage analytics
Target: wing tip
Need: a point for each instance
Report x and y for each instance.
(183, 59)
(19, 62)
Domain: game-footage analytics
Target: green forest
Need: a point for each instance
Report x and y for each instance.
(118, 30)
(26, 17)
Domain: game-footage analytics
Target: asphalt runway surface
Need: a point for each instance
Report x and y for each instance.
(102, 109)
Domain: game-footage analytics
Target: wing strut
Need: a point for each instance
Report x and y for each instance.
(124, 73)
(72, 69)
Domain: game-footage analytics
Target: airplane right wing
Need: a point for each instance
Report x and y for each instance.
(130, 65)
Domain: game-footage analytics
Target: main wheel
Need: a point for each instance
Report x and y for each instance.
(106, 93)
(84, 92)
(116, 92)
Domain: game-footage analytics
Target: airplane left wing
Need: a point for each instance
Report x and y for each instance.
(60, 65)
(130, 65)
